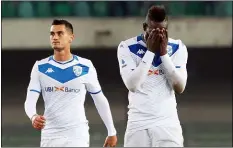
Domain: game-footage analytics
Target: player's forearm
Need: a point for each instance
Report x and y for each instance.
(104, 111)
(30, 103)
(175, 77)
(135, 78)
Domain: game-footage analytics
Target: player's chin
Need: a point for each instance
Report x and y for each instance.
(57, 48)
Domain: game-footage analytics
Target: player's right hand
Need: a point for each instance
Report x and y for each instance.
(153, 41)
(38, 122)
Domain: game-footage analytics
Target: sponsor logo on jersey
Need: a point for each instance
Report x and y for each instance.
(140, 51)
(61, 89)
(155, 72)
(49, 70)
(77, 70)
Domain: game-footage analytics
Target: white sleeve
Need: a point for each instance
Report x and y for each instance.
(104, 111)
(175, 70)
(33, 92)
(133, 76)
(101, 102)
(93, 86)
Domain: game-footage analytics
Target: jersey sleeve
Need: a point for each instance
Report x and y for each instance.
(175, 69)
(33, 92)
(92, 85)
(34, 84)
(126, 62)
(104, 111)
(181, 56)
(132, 75)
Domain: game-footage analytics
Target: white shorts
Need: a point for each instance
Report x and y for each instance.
(64, 142)
(155, 137)
(71, 137)
(79, 138)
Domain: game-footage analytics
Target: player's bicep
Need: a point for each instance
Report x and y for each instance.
(93, 85)
(126, 62)
(34, 84)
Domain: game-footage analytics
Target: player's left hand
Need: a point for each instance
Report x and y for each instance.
(110, 141)
(163, 41)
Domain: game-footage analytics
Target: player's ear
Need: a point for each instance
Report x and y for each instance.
(71, 38)
(144, 26)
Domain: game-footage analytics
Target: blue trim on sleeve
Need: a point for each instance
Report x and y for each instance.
(35, 90)
(178, 66)
(95, 92)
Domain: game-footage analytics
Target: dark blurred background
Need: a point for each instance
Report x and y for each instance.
(205, 108)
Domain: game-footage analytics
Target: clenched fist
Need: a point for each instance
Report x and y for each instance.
(38, 122)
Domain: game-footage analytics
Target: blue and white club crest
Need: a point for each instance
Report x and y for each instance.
(77, 70)
(169, 50)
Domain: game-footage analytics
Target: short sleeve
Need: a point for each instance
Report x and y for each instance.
(34, 84)
(92, 85)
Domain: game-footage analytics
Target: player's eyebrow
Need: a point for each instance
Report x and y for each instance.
(52, 32)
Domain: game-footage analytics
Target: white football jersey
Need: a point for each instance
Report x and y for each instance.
(63, 86)
(154, 102)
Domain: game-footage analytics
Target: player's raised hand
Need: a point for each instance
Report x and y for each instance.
(110, 141)
(153, 41)
(38, 122)
(164, 41)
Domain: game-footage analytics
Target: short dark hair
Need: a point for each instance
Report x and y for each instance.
(157, 13)
(67, 24)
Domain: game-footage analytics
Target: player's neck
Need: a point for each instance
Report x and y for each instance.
(63, 55)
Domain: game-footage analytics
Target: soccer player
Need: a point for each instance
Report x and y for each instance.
(64, 79)
(153, 68)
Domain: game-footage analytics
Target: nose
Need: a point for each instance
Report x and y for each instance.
(55, 37)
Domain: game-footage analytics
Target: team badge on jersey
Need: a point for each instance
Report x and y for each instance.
(77, 70)
(169, 50)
